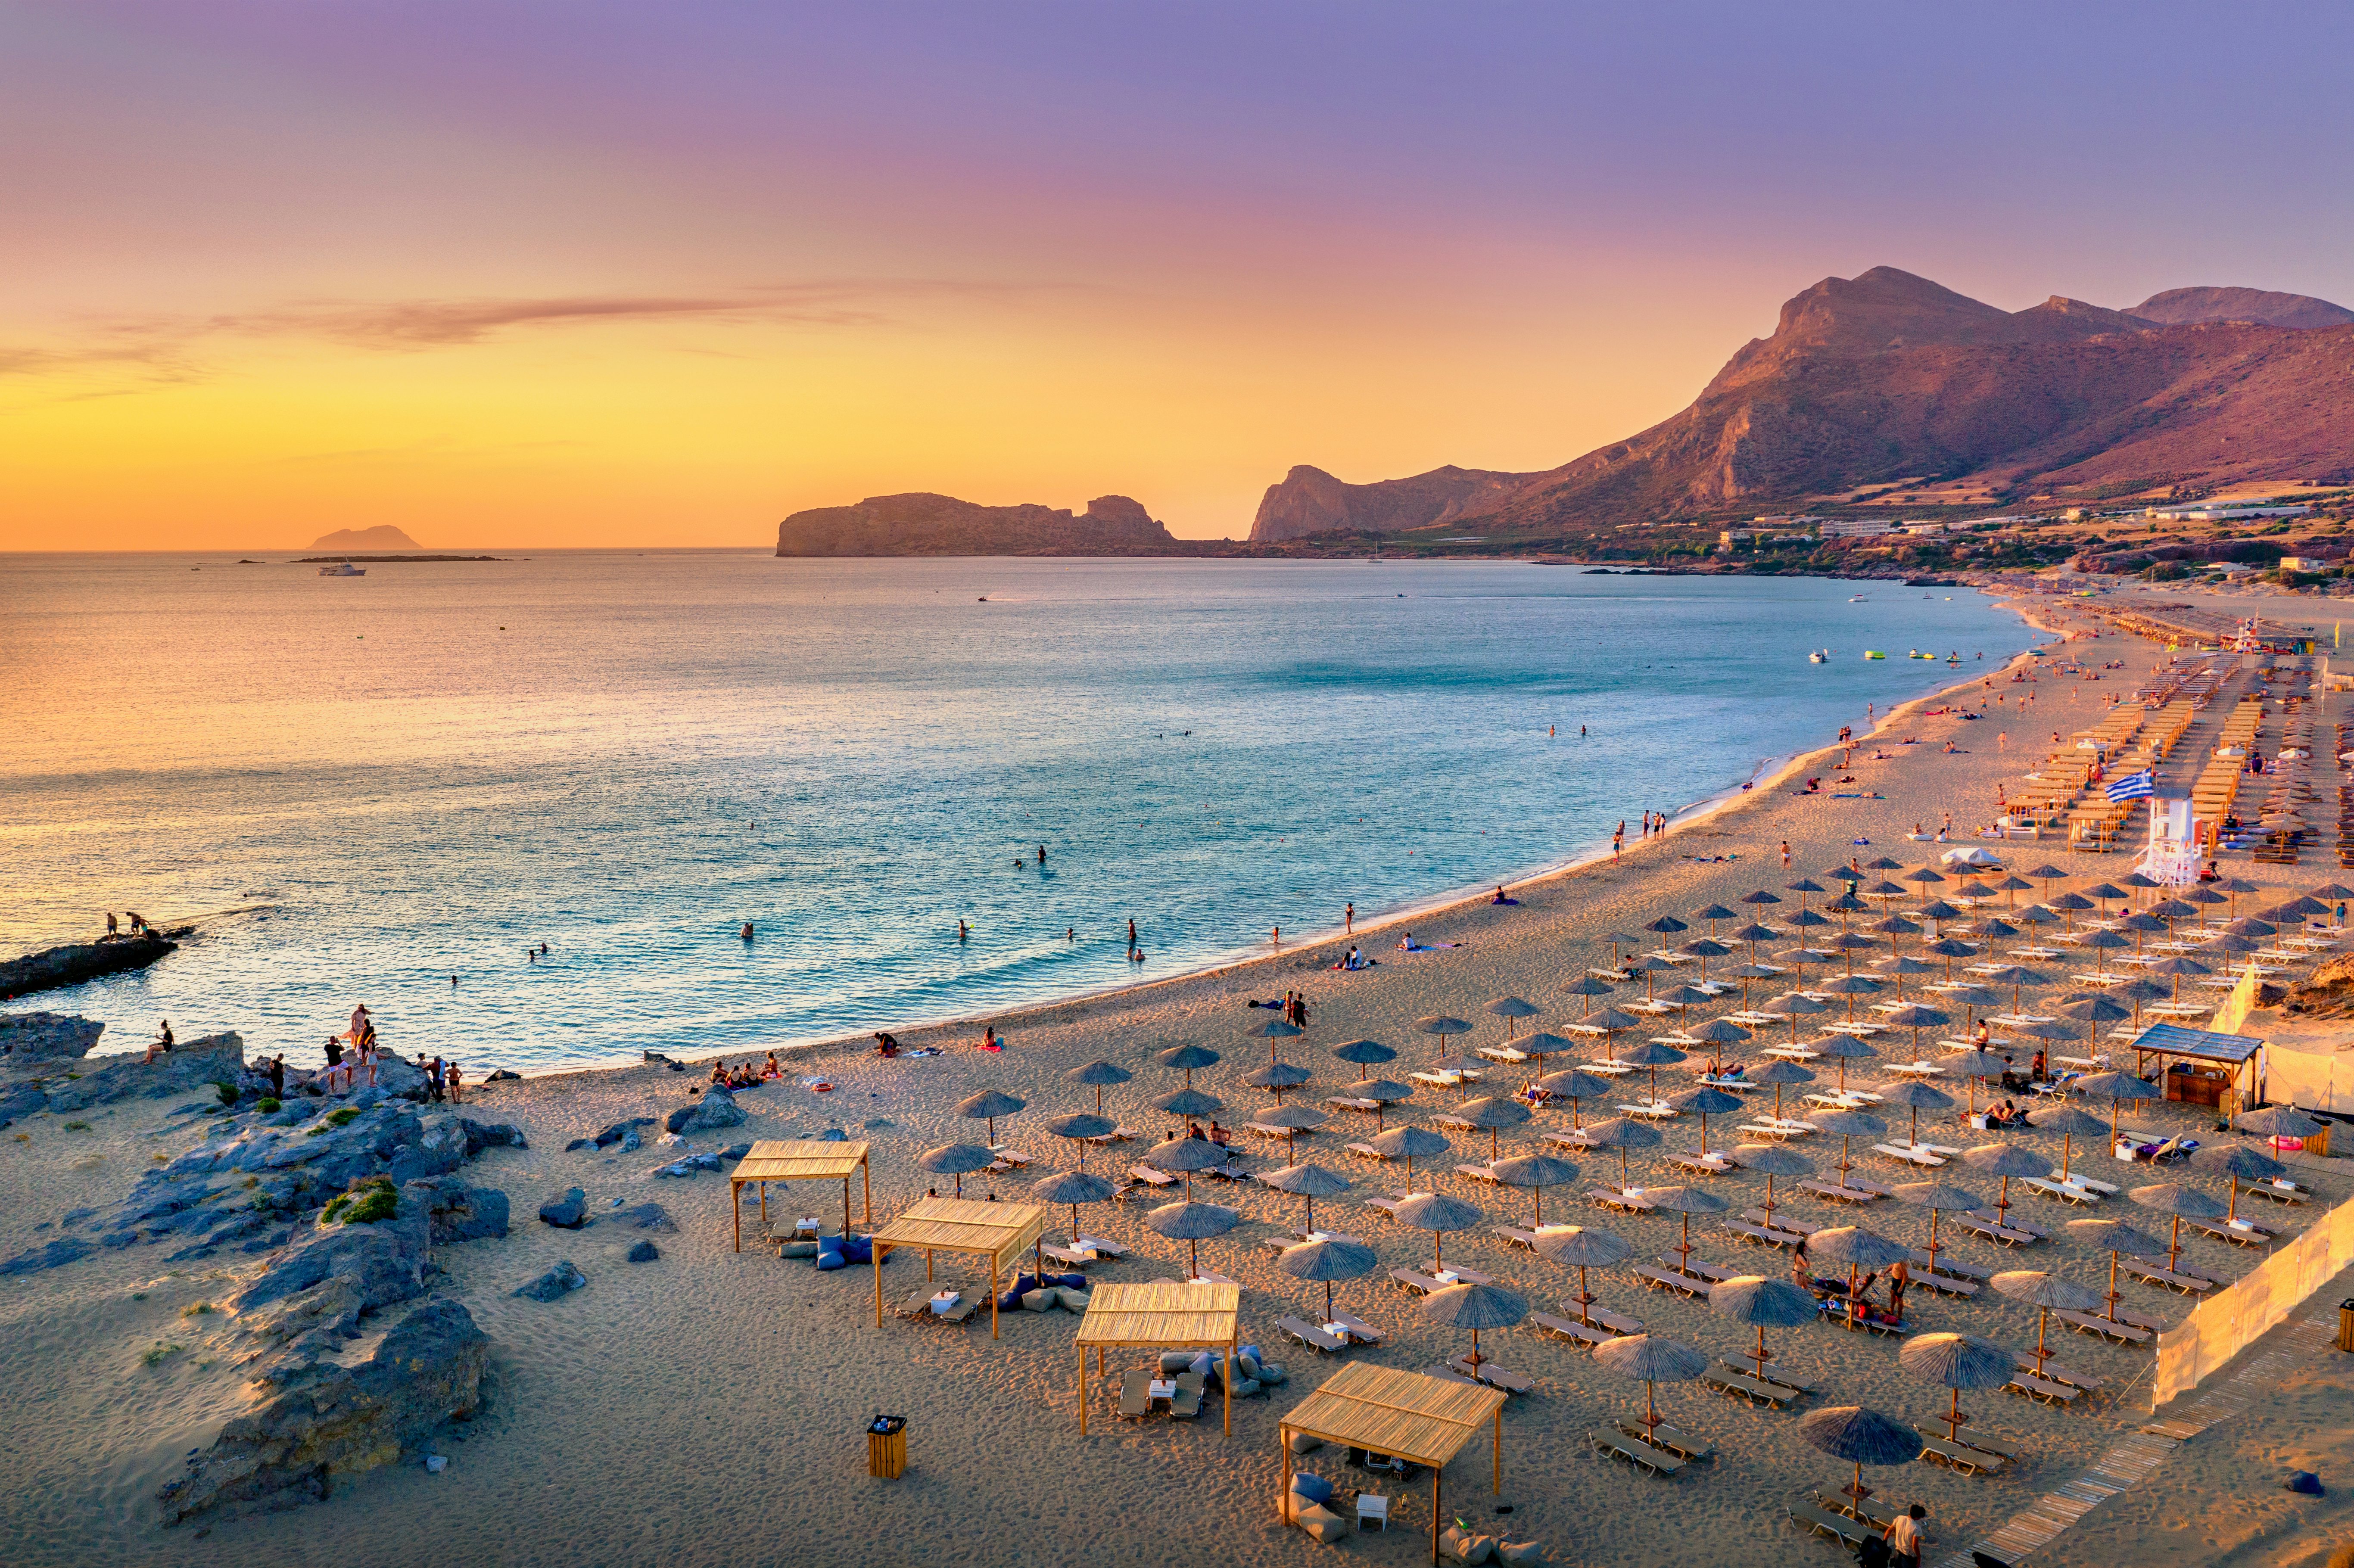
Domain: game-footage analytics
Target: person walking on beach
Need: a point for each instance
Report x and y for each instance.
(1785, 855)
(1349, 921)
(1903, 1538)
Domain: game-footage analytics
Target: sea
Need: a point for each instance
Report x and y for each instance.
(933, 787)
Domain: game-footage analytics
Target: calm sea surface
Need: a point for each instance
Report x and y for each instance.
(369, 784)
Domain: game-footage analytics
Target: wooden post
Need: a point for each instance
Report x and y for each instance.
(1083, 1391)
(866, 1186)
(878, 1284)
(1283, 1498)
(846, 1206)
(992, 1296)
(1434, 1516)
(1228, 1380)
(1499, 1487)
(735, 1190)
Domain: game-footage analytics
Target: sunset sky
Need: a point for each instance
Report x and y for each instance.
(590, 273)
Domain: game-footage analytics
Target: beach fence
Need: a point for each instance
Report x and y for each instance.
(2230, 1322)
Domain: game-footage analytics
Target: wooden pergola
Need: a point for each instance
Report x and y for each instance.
(1165, 1316)
(996, 1231)
(1413, 1416)
(802, 1159)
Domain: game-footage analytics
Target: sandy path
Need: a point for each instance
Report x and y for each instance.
(705, 1409)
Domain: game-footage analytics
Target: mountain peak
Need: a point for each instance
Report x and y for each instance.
(2186, 307)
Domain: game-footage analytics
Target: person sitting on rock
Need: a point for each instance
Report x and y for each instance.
(161, 1045)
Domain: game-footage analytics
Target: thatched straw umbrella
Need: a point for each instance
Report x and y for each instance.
(1576, 1088)
(1917, 1017)
(1364, 1053)
(1273, 1029)
(1474, 1307)
(1974, 1067)
(955, 1160)
(2070, 1122)
(2116, 1087)
(1654, 1360)
(988, 1106)
(1384, 1093)
(1581, 1247)
(1795, 1005)
(1719, 1033)
(1410, 1144)
(1324, 1261)
(1761, 1303)
(1511, 1009)
(1187, 1059)
(1192, 1224)
(1769, 1160)
(1684, 1202)
(1938, 1197)
(2043, 1292)
(1190, 1104)
(1607, 1024)
(1860, 1436)
(1957, 1361)
(1493, 1113)
(1305, 1181)
(1844, 1049)
(1703, 1102)
(1443, 1026)
(1184, 1156)
(1856, 1247)
(1622, 1133)
(1292, 1120)
(2004, 1161)
(1849, 1124)
(1072, 1187)
(2116, 1238)
(2178, 1203)
(1653, 1055)
(1915, 1097)
(1779, 1072)
(1277, 1076)
(1437, 1213)
(1080, 1126)
(1094, 1075)
(1536, 1172)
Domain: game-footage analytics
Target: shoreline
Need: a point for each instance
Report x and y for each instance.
(1332, 942)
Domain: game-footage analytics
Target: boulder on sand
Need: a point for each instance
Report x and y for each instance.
(568, 1213)
(558, 1281)
(644, 1252)
(336, 1421)
(715, 1108)
(186, 1068)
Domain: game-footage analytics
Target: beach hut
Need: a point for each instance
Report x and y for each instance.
(1161, 1316)
(1408, 1415)
(1581, 1247)
(998, 1232)
(799, 1160)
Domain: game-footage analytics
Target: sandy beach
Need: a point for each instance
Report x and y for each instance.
(707, 1408)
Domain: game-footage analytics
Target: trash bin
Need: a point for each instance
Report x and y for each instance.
(2345, 1325)
(887, 1447)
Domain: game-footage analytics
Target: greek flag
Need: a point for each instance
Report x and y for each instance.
(2132, 787)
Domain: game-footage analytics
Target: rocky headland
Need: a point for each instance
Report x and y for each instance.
(78, 961)
(926, 524)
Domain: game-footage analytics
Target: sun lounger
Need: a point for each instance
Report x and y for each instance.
(1864, 1510)
(1774, 1130)
(1265, 1130)
(1501, 1054)
(1634, 1450)
(2107, 1328)
(1186, 1404)
(1708, 1165)
(1117, 1135)
(1714, 1273)
(2042, 1389)
(1616, 1321)
(2014, 1222)
(1135, 1392)
(1516, 1236)
(1910, 1155)
(1683, 1445)
(1781, 1222)
(1762, 1236)
(2066, 1192)
(1151, 1178)
(1365, 1152)
(1462, 1276)
(1448, 1374)
(1493, 1376)
(1359, 1329)
(1812, 1516)
(2278, 1191)
(1350, 1103)
(1007, 1160)
(2006, 1235)
(1610, 1199)
(1477, 1172)
(1570, 1329)
(1842, 1317)
(1948, 1264)
(1312, 1336)
(919, 1305)
(1386, 1205)
(2253, 1235)
(1420, 1284)
(1837, 1194)
(1956, 1456)
(1667, 1279)
(2058, 1372)
(2159, 1273)
(2078, 1178)
(1750, 1387)
(1944, 1284)
(1077, 1258)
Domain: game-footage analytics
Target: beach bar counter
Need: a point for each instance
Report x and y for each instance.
(1405, 1415)
(994, 1231)
(801, 1160)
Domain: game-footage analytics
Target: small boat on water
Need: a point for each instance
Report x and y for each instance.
(1855, 598)
(1821, 656)
(343, 569)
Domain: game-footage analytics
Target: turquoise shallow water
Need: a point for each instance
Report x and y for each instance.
(418, 773)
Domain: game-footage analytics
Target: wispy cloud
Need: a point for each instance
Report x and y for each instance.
(160, 347)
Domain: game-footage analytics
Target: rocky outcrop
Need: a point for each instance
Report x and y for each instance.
(36, 1042)
(926, 524)
(188, 1066)
(332, 1420)
(81, 961)
(644, 1252)
(1309, 501)
(2328, 993)
(2183, 307)
(715, 1108)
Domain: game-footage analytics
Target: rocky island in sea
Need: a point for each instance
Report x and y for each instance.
(926, 524)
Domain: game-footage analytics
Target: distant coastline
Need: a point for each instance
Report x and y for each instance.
(326, 561)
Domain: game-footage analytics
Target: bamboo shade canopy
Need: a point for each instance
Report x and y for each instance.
(960, 1224)
(801, 1160)
(1162, 1315)
(1409, 1415)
